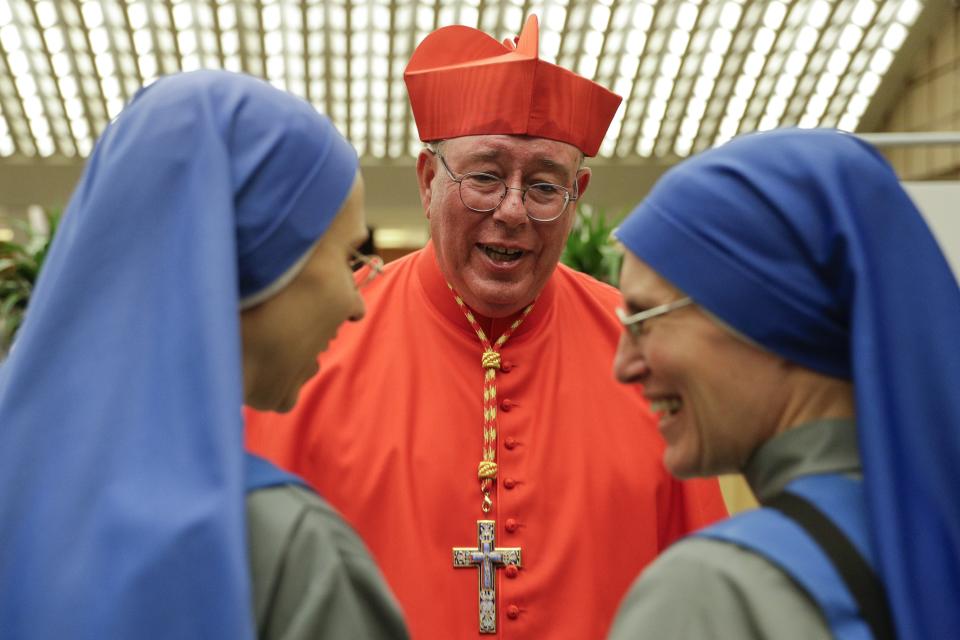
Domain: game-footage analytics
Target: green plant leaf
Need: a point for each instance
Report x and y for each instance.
(20, 265)
(591, 248)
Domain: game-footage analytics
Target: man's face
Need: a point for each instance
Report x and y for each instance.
(283, 335)
(499, 261)
(717, 396)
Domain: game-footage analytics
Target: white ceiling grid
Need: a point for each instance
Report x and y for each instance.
(693, 73)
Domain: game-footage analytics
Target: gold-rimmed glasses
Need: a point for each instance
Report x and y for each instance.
(484, 193)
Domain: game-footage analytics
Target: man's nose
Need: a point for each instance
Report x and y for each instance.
(512, 211)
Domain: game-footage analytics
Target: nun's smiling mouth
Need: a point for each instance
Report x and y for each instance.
(666, 406)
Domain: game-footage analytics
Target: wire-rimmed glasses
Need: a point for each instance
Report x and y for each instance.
(483, 193)
(634, 323)
(359, 260)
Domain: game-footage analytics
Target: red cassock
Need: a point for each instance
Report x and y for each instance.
(390, 432)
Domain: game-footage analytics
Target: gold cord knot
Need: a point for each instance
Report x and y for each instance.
(490, 359)
(487, 469)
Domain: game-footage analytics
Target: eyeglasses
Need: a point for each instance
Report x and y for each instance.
(359, 260)
(483, 193)
(634, 323)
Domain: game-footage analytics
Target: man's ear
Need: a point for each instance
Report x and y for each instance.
(583, 179)
(426, 171)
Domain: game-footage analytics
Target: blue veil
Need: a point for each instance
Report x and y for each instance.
(804, 241)
(121, 463)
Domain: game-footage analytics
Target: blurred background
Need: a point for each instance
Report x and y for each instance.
(693, 74)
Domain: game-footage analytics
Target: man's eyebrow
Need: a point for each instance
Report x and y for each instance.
(489, 154)
(544, 162)
(550, 163)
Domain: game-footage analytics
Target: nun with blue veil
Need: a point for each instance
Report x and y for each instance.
(202, 262)
(791, 317)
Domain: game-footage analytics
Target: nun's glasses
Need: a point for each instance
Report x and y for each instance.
(359, 260)
(634, 323)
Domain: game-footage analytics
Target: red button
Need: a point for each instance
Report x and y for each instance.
(511, 525)
(505, 366)
(511, 571)
(506, 405)
(513, 612)
(510, 443)
(509, 483)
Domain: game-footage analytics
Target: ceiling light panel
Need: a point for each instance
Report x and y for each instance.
(693, 73)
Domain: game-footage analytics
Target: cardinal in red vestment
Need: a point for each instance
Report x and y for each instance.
(470, 428)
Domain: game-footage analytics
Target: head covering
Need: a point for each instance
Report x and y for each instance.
(462, 82)
(121, 463)
(804, 241)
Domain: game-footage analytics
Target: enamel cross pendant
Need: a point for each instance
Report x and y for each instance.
(487, 558)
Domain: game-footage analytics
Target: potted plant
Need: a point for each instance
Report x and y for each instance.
(20, 264)
(591, 247)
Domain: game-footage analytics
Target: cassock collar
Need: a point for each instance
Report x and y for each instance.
(439, 295)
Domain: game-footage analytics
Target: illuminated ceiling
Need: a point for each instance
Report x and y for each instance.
(693, 74)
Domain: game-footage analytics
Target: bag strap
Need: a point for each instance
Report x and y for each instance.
(857, 574)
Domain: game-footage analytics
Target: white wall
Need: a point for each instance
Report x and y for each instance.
(940, 204)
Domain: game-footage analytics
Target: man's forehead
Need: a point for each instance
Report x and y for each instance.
(497, 146)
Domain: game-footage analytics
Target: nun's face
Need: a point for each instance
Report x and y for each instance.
(283, 335)
(717, 397)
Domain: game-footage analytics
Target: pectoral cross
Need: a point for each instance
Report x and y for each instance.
(487, 558)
